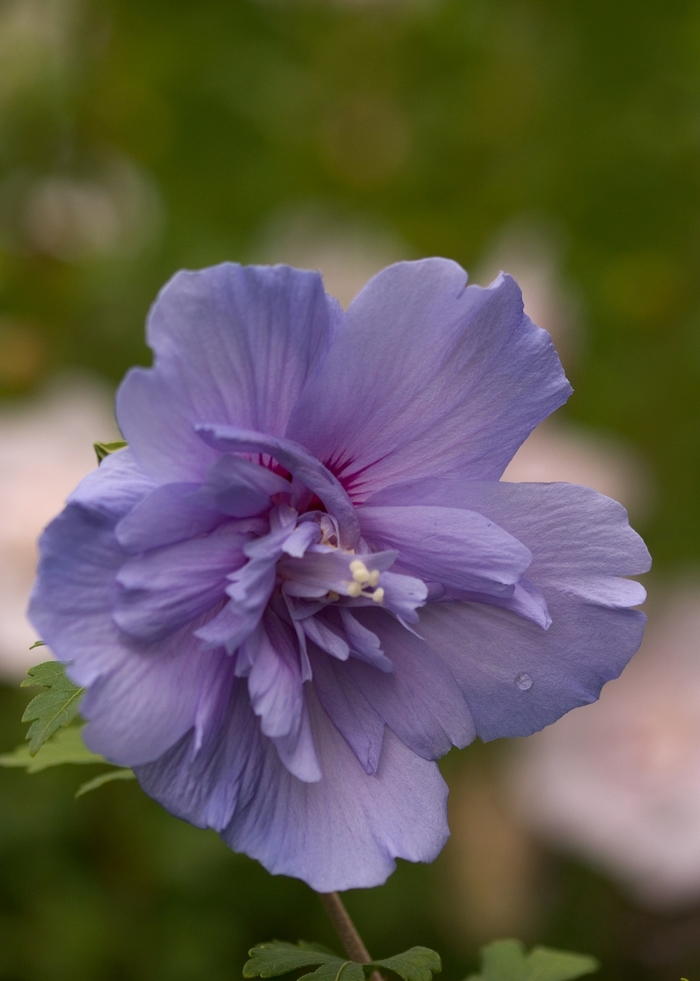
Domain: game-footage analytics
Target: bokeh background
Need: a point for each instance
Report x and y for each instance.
(557, 139)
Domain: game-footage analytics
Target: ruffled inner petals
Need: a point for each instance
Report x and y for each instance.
(298, 461)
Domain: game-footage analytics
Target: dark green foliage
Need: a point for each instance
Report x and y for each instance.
(270, 960)
(506, 960)
(56, 707)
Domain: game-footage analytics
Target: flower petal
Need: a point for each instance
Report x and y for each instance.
(348, 710)
(402, 595)
(420, 700)
(75, 591)
(462, 550)
(363, 643)
(428, 378)
(168, 587)
(325, 637)
(142, 708)
(115, 487)
(232, 345)
(142, 699)
(170, 513)
(199, 779)
(252, 584)
(242, 488)
(516, 678)
(277, 696)
(343, 832)
(573, 532)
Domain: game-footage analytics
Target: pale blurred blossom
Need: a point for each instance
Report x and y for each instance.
(618, 782)
(532, 252)
(116, 213)
(347, 254)
(559, 450)
(46, 447)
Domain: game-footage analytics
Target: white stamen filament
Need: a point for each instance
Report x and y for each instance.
(378, 595)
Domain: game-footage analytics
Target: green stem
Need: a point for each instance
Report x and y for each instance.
(344, 927)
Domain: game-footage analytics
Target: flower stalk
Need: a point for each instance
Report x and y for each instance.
(346, 930)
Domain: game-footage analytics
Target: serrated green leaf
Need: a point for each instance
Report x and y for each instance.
(43, 675)
(270, 960)
(52, 709)
(119, 773)
(506, 960)
(336, 970)
(416, 964)
(66, 746)
(104, 449)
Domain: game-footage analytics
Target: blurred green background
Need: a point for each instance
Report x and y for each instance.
(141, 136)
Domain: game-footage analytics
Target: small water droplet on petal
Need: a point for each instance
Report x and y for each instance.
(523, 681)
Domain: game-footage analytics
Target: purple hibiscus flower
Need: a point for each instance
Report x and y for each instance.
(303, 581)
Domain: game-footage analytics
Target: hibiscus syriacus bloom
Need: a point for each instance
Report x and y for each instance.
(303, 581)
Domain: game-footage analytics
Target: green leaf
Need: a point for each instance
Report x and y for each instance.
(37, 643)
(120, 773)
(66, 746)
(506, 960)
(559, 965)
(52, 709)
(276, 957)
(336, 970)
(104, 449)
(318, 948)
(416, 964)
(43, 675)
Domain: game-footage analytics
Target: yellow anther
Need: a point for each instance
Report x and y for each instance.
(332, 595)
(373, 577)
(360, 572)
(354, 589)
(378, 595)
